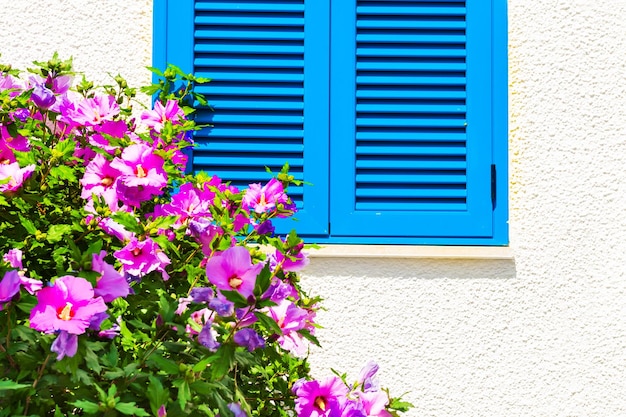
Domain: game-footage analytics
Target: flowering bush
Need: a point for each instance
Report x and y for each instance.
(130, 287)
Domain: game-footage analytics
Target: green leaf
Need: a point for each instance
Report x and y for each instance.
(306, 333)
(397, 404)
(130, 409)
(236, 297)
(66, 147)
(224, 362)
(63, 172)
(128, 221)
(166, 365)
(201, 366)
(10, 385)
(91, 359)
(156, 394)
(184, 394)
(161, 223)
(263, 281)
(28, 225)
(155, 70)
(57, 231)
(87, 406)
(268, 322)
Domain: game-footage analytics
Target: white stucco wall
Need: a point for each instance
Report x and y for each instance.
(543, 334)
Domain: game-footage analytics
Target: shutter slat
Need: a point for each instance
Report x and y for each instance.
(410, 164)
(239, 34)
(242, 90)
(410, 24)
(250, 146)
(411, 150)
(407, 206)
(411, 92)
(249, 49)
(253, 76)
(251, 7)
(241, 161)
(249, 103)
(427, 38)
(409, 122)
(365, 9)
(405, 177)
(377, 51)
(412, 193)
(409, 80)
(260, 20)
(410, 136)
(365, 64)
(236, 131)
(410, 107)
(225, 60)
(272, 118)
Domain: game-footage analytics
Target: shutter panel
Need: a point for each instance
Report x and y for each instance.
(268, 61)
(411, 138)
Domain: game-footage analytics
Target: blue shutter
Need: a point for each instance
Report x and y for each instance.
(394, 110)
(411, 154)
(268, 63)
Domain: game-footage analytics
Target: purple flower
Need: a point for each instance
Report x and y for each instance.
(162, 412)
(207, 337)
(201, 294)
(264, 198)
(205, 231)
(9, 287)
(111, 284)
(42, 96)
(249, 338)
(233, 270)
(67, 305)
(15, 175)
(279, 290)
(265, 228)
(222, 306)
(14, 258)
(320, 398)
(139, 258)
(237, 410)
(374, 403)
(66, 344)
(367, 377)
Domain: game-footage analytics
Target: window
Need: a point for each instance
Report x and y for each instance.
(394, 110)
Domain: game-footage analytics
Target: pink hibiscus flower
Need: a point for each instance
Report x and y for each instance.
(265, 198)
(156, 118)
(15, 175)
(141, 174)
(139, 258)
(320, 398)
(68, 305)
(233, 270)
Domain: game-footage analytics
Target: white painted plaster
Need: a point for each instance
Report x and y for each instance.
(543, 334)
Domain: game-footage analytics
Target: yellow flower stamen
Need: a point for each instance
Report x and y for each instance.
(66, 312)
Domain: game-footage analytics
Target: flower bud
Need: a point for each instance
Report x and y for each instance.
(42, 96)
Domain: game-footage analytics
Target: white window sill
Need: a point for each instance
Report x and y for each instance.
(424, 252)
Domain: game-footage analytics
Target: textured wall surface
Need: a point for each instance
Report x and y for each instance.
(103, 37)
(541, 335)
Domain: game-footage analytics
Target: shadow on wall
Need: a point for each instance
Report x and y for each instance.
(413, 269)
